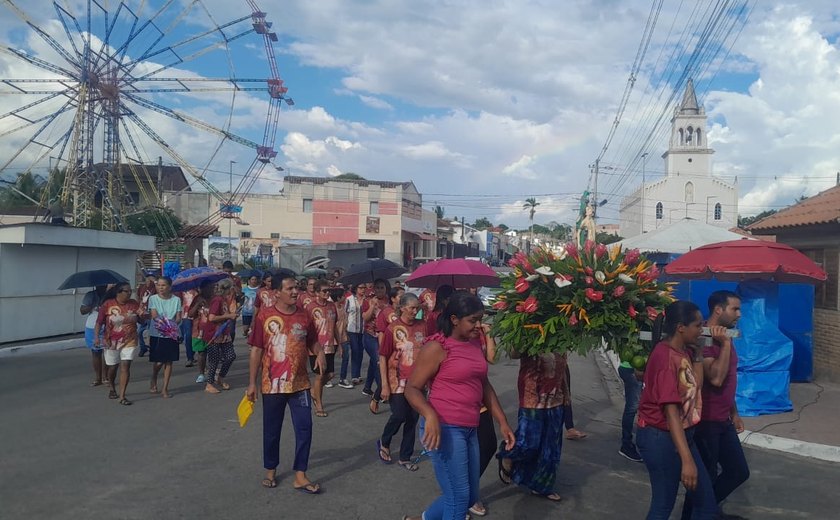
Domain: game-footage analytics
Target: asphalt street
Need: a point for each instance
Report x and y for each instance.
(69, 452)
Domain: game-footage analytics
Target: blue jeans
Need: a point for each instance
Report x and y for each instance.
(357, 350)
(632, 390)
(718, 444)
(274, 411)
(456, 463)
(141, 329)
(371, 345)
(345, 360)
(664, 468)
(186, 333)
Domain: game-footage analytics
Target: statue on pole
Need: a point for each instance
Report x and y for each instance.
(585, 225)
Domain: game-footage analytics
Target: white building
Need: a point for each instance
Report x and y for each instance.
(688, 189)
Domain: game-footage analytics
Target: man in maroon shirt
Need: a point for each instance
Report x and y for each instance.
(717, 433)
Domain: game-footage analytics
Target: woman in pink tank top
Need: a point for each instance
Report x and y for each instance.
(455, 371)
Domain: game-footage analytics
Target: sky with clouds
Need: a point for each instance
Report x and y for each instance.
(485, 103)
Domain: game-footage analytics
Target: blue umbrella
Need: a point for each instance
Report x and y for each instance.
(192, 278)
(93, 278)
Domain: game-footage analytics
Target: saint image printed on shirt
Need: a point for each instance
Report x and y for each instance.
(407, 342)
(690, 412)
(120, 323)
(324, 317)
(265, 297)
(279, 368)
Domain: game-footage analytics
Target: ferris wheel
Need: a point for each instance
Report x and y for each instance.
(99, 92)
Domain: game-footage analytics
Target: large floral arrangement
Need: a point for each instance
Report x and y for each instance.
(571, 299)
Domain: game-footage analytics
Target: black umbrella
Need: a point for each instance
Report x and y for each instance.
(93, 278)
(370, 270)
(247, 273)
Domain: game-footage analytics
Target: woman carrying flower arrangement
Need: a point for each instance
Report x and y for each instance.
(543, 394)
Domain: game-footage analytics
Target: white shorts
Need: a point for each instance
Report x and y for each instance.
(113, 357)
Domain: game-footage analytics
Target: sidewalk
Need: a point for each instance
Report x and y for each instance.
(812, 429)
(38, 346)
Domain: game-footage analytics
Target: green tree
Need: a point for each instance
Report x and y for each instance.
(157, 222)
(24, 191)
(503, 227)
(531, 205)
(482, 223)
(439, 211)
(743, 222)
(349, 176)
(607, 238)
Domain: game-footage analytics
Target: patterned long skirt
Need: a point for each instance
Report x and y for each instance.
(536, 454)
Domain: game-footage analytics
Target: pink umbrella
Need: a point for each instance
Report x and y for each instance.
(457, 272)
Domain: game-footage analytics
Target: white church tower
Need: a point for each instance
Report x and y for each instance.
(688, 189)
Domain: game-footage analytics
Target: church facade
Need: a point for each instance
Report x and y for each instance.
(688, 189)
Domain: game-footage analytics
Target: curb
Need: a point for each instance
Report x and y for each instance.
(39, 348)
(795, 447)
(813, 450)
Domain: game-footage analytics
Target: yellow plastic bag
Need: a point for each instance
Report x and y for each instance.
(244, 410)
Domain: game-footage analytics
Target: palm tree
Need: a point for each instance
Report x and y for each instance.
(439, 211)
(531, 204)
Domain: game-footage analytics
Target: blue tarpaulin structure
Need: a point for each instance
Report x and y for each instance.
(776, 345)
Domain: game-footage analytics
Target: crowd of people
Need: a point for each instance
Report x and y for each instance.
(427, 358)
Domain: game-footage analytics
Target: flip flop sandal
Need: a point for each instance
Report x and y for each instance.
(125, 402)
(96, 383)
(225, 386)
(383, 453)
(321, 413)
(309, 489)
(113, 395)
(553, 497)
(504, 474)
(374, 407)
(269, 483)
(407, 465)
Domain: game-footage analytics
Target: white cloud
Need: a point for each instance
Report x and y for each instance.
(375, 102)
(503, 99)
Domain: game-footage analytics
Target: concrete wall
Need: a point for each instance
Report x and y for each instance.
(827, 345)
(31, 269)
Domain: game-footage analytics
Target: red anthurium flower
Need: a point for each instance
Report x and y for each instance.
(651, 312)
(529, 305)
(600, 250)
(593, 295)
(500, 305)
(632, 311)
(619, 291)
(522, 285)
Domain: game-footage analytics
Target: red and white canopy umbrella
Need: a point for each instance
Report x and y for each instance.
(747, 259)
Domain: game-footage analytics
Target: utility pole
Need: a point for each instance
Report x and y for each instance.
(595, 195)
(644, 189)
(159, 177)
(230, 219)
